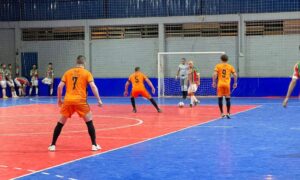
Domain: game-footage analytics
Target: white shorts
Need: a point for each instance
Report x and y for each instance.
(3, 84)
(47, 81)
(192, 88)
(34, 82)
(10, 83)
(17, 82)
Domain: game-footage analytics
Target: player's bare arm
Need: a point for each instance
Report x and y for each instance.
(151, 85)
(198, 77)
(126, 88)
(235, 76)
(215, 75)
(96, 92)
(60, 87)
(290, 90)
(177, 73)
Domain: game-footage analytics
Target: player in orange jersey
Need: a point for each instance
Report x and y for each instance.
(137, 80)
(221, 80)
(76, 81)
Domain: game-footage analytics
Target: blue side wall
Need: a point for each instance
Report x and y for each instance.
(247, 87)
(16, 10)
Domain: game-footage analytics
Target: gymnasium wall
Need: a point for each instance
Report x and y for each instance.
(271, 55)
(61, 53)
(117, 58)
(7, 46)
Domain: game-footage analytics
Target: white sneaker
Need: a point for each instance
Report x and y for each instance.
(96, 147)
(51, 148)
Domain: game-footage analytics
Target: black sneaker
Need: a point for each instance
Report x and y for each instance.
(191, 105)
(134, 111)
(228, 116)
(196, 103)
(159, 111)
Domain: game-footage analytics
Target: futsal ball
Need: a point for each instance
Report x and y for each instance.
(180, 104)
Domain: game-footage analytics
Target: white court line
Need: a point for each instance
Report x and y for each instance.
(59, 176)
(43, 101)
(138, 122)
(122, 147)
(45, 173)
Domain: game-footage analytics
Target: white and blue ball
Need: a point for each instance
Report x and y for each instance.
(180, 104)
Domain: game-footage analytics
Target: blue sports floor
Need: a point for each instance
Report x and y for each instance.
(262, 143)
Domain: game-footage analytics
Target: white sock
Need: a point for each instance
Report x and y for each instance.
(51, 91)
(30, 91)
(195, 99)
(192, 100)
(20, 92)
(37, 91)
(4, 92)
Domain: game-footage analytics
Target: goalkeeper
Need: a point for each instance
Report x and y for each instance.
(182, 74)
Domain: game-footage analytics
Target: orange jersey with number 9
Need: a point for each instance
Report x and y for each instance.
(224, 72)
(137, 80)
(76, 80)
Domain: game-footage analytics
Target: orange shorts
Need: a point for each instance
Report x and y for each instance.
(144, 93)
(67, 110)
(223, 90)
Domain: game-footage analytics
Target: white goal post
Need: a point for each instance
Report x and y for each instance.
(161, 66)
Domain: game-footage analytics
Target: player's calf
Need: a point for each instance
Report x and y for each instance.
(220, 103)
(155, 104)
(133, 104)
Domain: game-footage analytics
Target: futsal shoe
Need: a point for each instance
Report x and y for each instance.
(191, 105)
(228, 116)
(196, 103)
(159, 111)
(5, 97)
(223, 115)
(51, 148)
(134, 111)
(96, 147)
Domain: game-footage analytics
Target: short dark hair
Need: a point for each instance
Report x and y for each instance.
(183, 59)
(80, 59)
(137, 69)
(9, 65)
(224, 58)
(50, 63)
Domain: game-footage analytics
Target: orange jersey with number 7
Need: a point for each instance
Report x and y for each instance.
(137, 80)
(224, 71)
(76, 80)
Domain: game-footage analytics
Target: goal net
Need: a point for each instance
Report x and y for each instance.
(168, 64)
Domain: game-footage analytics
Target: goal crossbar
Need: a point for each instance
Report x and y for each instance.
(160, 65)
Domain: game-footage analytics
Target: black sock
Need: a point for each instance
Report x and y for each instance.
(182, 94)
(133, 102)
(56, 132)
(185, 93)
(154, 103)
(228, 104)
(92, 131)
(220, 100)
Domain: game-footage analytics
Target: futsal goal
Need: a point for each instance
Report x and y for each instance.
(168, 62)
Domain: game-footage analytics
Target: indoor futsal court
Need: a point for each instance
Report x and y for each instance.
(149, 90)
